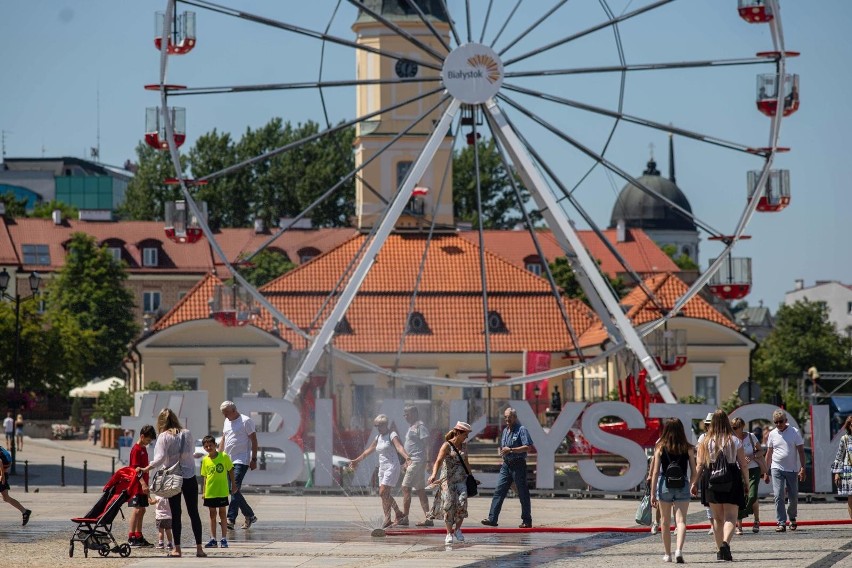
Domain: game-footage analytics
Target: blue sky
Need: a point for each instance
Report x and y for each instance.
(61, 55)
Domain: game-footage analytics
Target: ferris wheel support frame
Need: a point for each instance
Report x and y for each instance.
(589, 276)
(400, 200)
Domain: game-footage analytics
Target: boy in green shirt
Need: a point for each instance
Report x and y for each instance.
(216, 470)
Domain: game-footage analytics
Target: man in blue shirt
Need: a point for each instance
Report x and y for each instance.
(514, 445)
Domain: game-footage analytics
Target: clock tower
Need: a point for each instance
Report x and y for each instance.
(385, 174)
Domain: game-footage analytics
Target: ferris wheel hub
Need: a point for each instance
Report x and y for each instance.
(472, 73)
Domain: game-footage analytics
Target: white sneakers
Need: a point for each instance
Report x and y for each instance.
(459, 535)
(667, 558)
(449, 539)
(655, 528)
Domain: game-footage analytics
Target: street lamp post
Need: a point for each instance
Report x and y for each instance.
(35, 282)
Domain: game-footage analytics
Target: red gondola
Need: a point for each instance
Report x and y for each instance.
(181, 32)
(755, 11)
(767, 94)
(181, 227)
(155, 129)
(776, 192)
(232, 306)
(733, 279)
(668, 347)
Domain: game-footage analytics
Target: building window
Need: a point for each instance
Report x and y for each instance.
(849, 308)
(190, 382)
(534, 267)
(417, 324)
(115, 253)
(150, 302)
(181, 294)
(418, 392)
(150, 257)
(235, 387)
(402, 171)
(307, 254)
(38, 255)
(705, 387)
(496, 323)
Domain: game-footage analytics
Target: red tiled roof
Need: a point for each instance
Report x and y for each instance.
(449, 298)
(194, 305)
(235, 242)
(7, 249)
(640, 252)
(173, 257)
(668, 288)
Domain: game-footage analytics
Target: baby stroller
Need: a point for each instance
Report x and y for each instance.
(94, 529)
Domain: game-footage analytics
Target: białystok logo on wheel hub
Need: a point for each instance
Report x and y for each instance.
(472, 73)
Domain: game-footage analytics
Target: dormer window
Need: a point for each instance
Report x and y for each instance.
(150, 256)
(307, 254)
(343, 327)
(417, 324)
(533, 264)
(115, 253)
(496, 323)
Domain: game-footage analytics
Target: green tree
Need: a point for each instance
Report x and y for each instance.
(14, 207)
(45, 209)
(683, 260)
(147, 193)
(114, 404)
(803, 337)
(266, 266)
(92, 309)
(566, 279)
(500, 206)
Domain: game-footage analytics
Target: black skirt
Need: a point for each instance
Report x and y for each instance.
(735, 496)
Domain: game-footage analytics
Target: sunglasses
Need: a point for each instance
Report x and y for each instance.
(779, 421)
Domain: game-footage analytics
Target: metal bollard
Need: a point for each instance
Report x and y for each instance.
(62, 473)
(85, 476)
(113, 464)
(26, 476)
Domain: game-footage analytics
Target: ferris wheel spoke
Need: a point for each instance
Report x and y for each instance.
(506, 23)
(467, 19)
(587, 31)
(706, 138)
(612, 167)
(318, 135)
(204, 4)
(296, 86)
(642, 67)
(422, 267)
(501, 151)
(568, 195)
(423, 18)
(532, 27)
(453, 29)
(329, 192)
(393, 27)
(485, 21)
(481, 232)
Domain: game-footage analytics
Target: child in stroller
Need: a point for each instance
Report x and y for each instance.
(94, 529)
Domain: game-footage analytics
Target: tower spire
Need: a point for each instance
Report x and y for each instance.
(671, 158)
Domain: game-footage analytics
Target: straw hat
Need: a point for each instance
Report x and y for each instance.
(462, 426)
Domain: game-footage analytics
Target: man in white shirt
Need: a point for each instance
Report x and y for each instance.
(415, 474)
(785, 459)
(9, 426)
(239, 441)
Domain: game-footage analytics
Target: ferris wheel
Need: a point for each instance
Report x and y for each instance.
(567, 91)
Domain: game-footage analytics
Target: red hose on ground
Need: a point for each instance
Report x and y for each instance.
(483, 530)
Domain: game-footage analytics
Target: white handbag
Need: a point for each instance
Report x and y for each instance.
(167, 482)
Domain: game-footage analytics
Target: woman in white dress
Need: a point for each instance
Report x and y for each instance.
(386, 445)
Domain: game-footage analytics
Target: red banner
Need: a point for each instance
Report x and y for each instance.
(535, 362)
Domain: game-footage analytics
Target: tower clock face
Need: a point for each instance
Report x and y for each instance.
(406, 69)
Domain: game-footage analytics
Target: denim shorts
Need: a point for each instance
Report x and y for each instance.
(672, 495)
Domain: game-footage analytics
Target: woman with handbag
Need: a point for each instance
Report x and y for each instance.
(842, 466)
(453, 456)
(386, 444)
(756, 471)
(724, 484)
(673, 456)
(175, 446)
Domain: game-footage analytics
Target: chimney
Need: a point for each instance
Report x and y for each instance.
(799, 284)
(621, 231)
(56, 215)
(258, 226)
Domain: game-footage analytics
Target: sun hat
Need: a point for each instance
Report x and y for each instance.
(709, 418)
(462, 426)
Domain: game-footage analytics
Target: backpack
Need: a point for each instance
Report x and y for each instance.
(674, 474)
(720, 476)
(5, 457)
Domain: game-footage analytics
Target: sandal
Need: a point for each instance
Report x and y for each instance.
(739, 531)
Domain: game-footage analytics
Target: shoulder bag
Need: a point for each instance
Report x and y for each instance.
(846, 474)
(470, 480)
(643, 511)
(168, 482)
